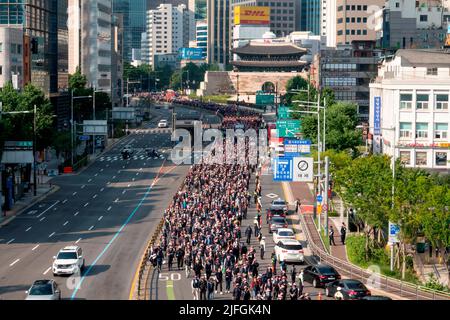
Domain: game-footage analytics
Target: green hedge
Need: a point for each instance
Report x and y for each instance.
(377, 256)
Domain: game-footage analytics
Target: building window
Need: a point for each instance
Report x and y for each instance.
(422, 101)
(365, 32)
(405, 130)
(406, 101)
(421, 130)
(1, 70)
(441, 102)
(405, 157)
(441, 158)
(1, 47)
(421, 159)
(432, 71)
(440, 130)
(423, 18)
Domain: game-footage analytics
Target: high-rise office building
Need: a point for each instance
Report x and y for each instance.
(167, 31)
(90, 40)
(219, 32)
(39, 21)
(283, 13)
(310, 12)
(345, 21)
(134, 23)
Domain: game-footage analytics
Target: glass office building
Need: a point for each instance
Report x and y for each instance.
(134, 24)
(310, 13)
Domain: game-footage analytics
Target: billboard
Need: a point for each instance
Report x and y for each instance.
(377, 116)
(251, 15)
(191, 54)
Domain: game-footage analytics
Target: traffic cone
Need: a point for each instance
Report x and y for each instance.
(320, 296)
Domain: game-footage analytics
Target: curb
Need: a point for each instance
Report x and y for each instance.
(32, 203)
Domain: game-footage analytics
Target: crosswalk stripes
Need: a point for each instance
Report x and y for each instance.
(135, 158)
(152, 131)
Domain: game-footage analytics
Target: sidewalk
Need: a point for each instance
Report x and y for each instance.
(45, 188)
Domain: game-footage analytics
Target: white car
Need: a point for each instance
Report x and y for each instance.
(289, 251)
(283, 234)
(68, 261)
(163, 124)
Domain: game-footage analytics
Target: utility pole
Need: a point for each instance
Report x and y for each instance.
(326, 199)
(71, 128)
(34, 151)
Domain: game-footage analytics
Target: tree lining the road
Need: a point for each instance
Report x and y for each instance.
(421, 203)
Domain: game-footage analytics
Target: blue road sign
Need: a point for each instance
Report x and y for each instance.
(294, 148)
(319, 198)
(283, 169)
(84, 138)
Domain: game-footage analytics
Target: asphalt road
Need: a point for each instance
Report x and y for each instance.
(110, 210)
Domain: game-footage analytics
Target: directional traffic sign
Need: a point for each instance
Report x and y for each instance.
(297, 148)
(289, 128)
(283, 113)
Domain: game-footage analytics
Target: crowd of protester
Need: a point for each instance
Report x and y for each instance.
(203, 232)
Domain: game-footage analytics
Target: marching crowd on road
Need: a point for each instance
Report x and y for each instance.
(203, 229)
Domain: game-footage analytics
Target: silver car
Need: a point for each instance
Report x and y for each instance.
(44, 290)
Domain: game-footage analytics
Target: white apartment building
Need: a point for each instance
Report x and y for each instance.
(409, 108)
(167, 30)
(11, 56)
(90, 40)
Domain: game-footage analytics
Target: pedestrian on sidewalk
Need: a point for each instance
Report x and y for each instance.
(331, 236)
(343, 233)
(297, 206)
(301, 276)
(262, 247)
(274, 263)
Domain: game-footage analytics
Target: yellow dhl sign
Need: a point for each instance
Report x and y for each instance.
(251, 15)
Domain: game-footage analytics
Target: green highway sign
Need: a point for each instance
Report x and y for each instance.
(265, 99)
(289, 128)
(283, 113)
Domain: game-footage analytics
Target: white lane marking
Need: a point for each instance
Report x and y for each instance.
(117, 200)
(90, 180)
(65, 201)
(123, 167)
(102, 189)
(129, 185)
(109, 182)
(83, 186)
(145, 164)
(43, 218)
(95, 196)
(134, 179)
(124, 191)
(78, 241)
(137, 174)
(48, 209)
(114, 177)
(74, 194)
(95, 175)
(101, 170)
(109, 209)
(28, 229)
(35, 247)
(141, 169)
(66, 223)
(14, 262)
(86, 204)
(10, 241)
(76, 213)
(46, 271)
(91, 228)
(54, 209)
(100, 219)
(52, 234)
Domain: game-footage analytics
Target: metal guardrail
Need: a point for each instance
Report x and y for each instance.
(385, 283)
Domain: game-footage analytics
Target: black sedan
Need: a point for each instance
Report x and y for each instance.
(347, 290)
(321, 274)
(276, 223)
